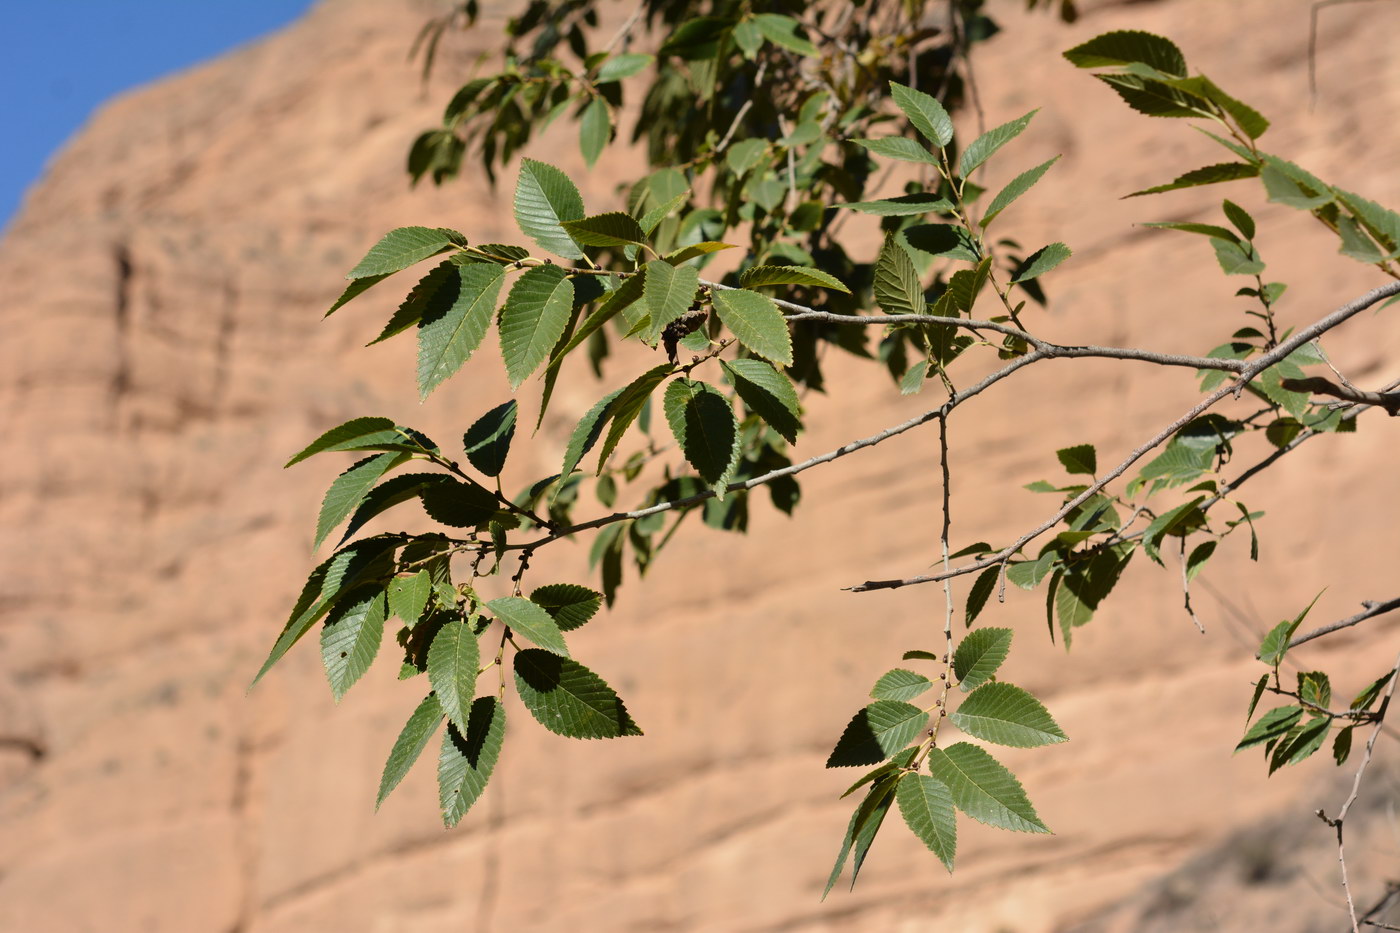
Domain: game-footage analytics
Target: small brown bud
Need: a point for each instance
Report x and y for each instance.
(943, 712)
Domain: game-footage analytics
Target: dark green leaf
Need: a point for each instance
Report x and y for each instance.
(544, 197)
(1018, 186)
(863, 825)
(521, 615)
(925, 112)
(1301, 742)
(877, 732)
(366, 434)
(983, 788)
(1180, 519)
(1366, 697)
(900, 684)
(627, 293)
(1197, 559)
(409, 745)
(447, 337)
(977, 596)
(1007, 715)
(587, 431)
(927, 806)
(487, 441)
(1293, 186)
(790, 275)
(615, 228)
(1341, 746)
(949, 241)
(1272, 726)
(702, 421)
(897, 286)
(756, 321)
(979, 655)
(1123, 47)
(1041, 262)
(468, 758)
(400, 249)
(745, 154)
(387, 495)
(453, 659)
(1275, 644)
(351, 636)
(355, 289)
(457, 504)
(767, 393)
(1254, 700)
(569, 699)
(986, 145)
(1240, 218)
(533, 319)
(627, 406)
(1235, 258)
(1209, 175)
(568, 604)
(1079, 459)
(905, 205)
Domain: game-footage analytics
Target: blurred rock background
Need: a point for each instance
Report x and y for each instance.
(163, 353)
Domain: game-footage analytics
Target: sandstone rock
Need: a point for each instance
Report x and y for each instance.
(165, 352)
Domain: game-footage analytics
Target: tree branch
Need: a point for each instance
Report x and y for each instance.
(1317, 385)
(1262, 363)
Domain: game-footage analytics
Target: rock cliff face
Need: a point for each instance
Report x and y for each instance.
(164, 353)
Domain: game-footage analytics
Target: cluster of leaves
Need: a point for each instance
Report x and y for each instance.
(740, 349)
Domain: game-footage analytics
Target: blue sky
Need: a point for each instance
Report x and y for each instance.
(60, 59)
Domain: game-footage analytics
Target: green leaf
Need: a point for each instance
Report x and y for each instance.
(568, 604)
(453, 659)
(432, 296)
(1366, 697)
(900, 684)
(668, 292)
(355, 289)
(897, 286)
(365, 434)
(983, 789)
(400, 249)
(864, 824)
(623, 66)
(1235, 258)
(925, 112)
(1355, 242)
(1302, 741)
(1007, 715)
(877, 732)
(1341, 746)
(898, 147)
(1123, 47)
(905, 205)
(1254, 700)
(767, 393)
(544, 197)
(979, 593)
(756, 321)
(790, 275)
(986, 145)
(408, 596)
(1183, 517)
(1275, 644)
(627, 406)
(628, 292)
(487, 441)
(446, 340)
(1197, 558)
(696, 250)
(521, 615)
(979, 655)
(350, 488)
(333, 578)
(927, 807)
(456, 504)
(409, 745)
(351, 636)
(1158, 99)
(1209, 175)
(614, 228)
(784, 31)
(1017, 187)
(1041, 262)
(1271, 727)
(1315, 687)
(533, 319)
(902, 760)
(744, 155)
(1239, 217)
(1380, 222)
(468, 758)
(387, 495)
(569, 699)
(1210, 230)
(1079, 459)
(1293, 186)
(702, 421)
(587, 431)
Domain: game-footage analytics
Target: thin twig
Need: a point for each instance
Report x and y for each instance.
(1372, 610)
(1186, 590)
(1356, 790)
(1260, 364)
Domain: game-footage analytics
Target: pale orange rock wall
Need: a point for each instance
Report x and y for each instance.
(164, 353)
